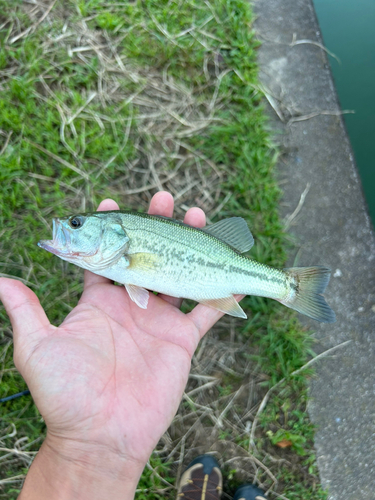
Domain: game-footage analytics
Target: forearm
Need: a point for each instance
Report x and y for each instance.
(67, 472)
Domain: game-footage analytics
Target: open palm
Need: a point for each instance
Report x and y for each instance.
(111, 374)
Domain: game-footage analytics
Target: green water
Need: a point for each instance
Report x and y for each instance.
(348, 29)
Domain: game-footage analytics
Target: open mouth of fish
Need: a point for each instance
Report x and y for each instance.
(59, 245)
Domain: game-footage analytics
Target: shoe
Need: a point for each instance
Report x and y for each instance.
(202, 480)
(249, 492)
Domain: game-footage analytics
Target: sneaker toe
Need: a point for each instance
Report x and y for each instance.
(202, 480)
(249, 492)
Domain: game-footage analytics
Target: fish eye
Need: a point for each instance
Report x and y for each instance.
(75, 222)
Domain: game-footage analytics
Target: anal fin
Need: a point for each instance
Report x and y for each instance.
(138, 295)
(227, 305)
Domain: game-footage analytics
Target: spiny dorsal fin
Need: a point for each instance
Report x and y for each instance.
(233, 231)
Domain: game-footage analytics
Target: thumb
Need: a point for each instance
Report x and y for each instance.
(29, 321)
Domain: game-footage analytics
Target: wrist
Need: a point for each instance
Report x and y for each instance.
(67, 470)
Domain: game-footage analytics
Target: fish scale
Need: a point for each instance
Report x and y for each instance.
(204, 260)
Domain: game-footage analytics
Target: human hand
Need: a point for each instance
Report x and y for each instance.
(109, 379)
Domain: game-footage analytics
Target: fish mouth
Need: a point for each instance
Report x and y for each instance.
(59, 245)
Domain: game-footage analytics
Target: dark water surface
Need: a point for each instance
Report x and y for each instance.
(348, 29)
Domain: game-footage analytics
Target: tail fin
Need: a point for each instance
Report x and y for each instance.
(308, 284)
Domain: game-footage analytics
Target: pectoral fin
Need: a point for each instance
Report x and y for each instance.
(144, 261)
(227, 305)
(138, 295)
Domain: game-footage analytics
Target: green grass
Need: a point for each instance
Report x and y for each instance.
(64, 148)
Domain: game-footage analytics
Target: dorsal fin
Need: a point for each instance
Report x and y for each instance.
(233, 231)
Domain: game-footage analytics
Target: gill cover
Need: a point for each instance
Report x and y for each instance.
(114, 242)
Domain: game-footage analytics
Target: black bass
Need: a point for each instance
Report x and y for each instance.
(149, 252)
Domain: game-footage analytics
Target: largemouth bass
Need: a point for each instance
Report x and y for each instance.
(149, 252)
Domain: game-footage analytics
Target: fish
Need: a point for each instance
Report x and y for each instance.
(151, 252)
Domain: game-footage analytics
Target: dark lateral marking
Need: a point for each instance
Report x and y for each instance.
(295, 287)
(206, 263)
(215, 265)
(254, 274)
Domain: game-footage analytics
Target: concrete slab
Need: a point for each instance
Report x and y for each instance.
(331, 228)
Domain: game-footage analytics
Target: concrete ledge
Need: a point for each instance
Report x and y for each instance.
(332, 228)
